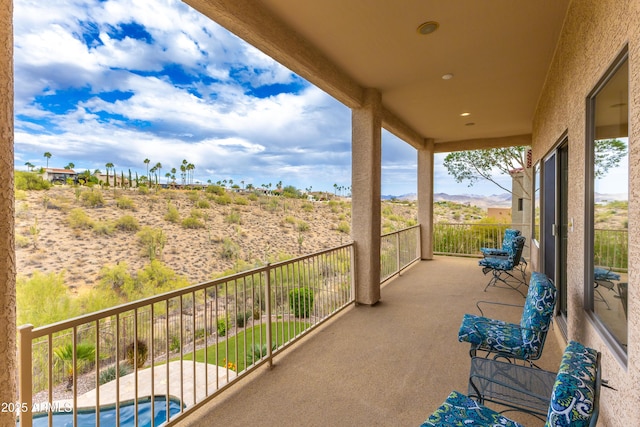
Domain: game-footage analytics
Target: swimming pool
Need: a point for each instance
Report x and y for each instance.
(87, 417)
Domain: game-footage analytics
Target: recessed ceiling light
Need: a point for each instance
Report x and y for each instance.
(427, 27)
(447, 76)
(465, 114)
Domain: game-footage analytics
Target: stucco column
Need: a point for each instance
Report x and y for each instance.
(425, 199)
(7, 253)
(365, 185)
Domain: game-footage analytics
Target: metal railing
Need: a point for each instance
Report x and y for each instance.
(398, 250)
(188, 344)
(611, 248)
(466, 239)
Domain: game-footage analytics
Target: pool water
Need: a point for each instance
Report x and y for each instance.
(87, 417)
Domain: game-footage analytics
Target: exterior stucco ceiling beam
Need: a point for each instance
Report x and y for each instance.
(483, 143)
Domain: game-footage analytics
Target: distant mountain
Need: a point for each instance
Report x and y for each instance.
(604, 198)
(493, 201)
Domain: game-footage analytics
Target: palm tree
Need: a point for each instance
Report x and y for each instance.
(159, 167)
(29, 166)
(48, 156)
(146, 162)
(70, 166)
(190, 168)
(109, 166)
(85, 353)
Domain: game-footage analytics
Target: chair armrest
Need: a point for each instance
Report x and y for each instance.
(495, 303)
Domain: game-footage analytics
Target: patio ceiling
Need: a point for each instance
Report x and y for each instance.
(498, 52)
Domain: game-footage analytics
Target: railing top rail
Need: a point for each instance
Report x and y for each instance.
(483, 224)
(112, 311)
(400, 231)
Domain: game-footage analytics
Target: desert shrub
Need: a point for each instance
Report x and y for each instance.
(43, 299)
(20, 195)
(307, 207)
(30, 181)
(192, 223)
(22, 241)
(203, 204)
(301, 301)
(344, 227)
(215, 189)
(223, 199)
(152, 240)
(194, 196)
(140, 358)
(127, 223)
(253, 197)
(124, 203)
(241, 201)
(116, 278)
(172, 215)
(303, 226)
(273, 205)
(92, 199)
(109, 374)
(289, 220)
(230, 249)
(79, 219)
(242, 317)
(233, 218)
(103, 227)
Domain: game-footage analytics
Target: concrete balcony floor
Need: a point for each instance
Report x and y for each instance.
(391, 364)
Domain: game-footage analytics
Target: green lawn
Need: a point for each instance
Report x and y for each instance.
(217, 353)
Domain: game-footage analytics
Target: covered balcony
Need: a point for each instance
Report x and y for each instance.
(442, 77)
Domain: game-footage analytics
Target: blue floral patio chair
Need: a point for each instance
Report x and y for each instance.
(604, 277)
(502, 267)
(509, 235)
(523, 341)
(574, 399)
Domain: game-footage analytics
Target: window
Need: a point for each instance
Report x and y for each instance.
(607, 211)
(520, 204)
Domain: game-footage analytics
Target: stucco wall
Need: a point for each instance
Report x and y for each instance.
(7, 260)
(595, 32)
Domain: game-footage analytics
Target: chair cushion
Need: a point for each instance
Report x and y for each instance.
(600, 273)
(492, 334)
(573, 396)
(460, 410)
(504, 264)
(538, 312)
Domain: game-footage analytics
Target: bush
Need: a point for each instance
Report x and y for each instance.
(152, 240)
(203, 204)
(30, 181)
(224, 199)
(303, 226)
(229, 249)
(143, 189)
(233, 218)
(137, 360)
(222, 326)
(215, 189)
(344, 227)
(79, 219)
(125, 203)
(127, 223)
(103, 227)
(172, 214)
(301, 301)
(242, 317)
(192, 222)
(92, 199)
(109, 374)
(242, 201)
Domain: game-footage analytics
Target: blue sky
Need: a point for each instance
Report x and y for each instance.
(118, 81)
